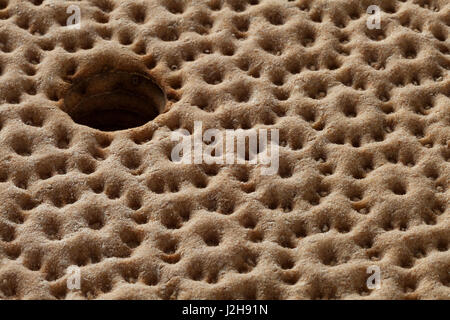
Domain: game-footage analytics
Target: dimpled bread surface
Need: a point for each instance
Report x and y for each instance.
(364, 134)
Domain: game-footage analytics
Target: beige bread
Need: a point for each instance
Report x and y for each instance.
(364, 172)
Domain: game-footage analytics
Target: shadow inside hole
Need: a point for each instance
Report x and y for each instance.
(114, 101)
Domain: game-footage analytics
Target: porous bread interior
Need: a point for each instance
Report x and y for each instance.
(364, 151)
